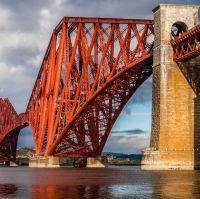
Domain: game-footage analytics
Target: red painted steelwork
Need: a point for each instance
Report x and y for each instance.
(90, 70)
(187, 45)
(10, 125)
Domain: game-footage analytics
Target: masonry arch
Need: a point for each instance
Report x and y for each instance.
(178, 28)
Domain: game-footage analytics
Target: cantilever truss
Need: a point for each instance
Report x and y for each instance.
(187, 45)
(90, 70)
(10, 125)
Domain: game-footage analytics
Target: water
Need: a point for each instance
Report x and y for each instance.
(115, 182)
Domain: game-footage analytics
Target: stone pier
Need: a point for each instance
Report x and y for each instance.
(173, 143)
(91, 162)
(42, 162)
(97, 162)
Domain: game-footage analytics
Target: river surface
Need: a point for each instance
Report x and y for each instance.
(84, 183)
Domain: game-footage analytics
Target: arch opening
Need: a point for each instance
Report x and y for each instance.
(177, 29)
(24, 146)
(25, 138)
(17, 143)
(131, 132)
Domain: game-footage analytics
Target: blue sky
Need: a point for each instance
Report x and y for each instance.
(26, 27)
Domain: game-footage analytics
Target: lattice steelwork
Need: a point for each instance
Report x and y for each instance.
(10, 125)
(90, 70)
(187, 45)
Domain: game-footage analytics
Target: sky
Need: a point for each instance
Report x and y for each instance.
(26, 27)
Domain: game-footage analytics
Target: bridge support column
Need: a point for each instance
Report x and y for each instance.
(91, 162)
(172, 144)
(97, 162)
(42, 162)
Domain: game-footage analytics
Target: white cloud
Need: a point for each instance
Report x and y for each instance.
(127, 144)
(35, 61)
(15, 84)
(24, 37)
(5, 17)
(9, 71)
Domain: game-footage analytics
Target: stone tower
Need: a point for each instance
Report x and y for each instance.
(174, 134)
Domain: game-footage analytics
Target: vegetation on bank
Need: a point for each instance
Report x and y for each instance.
(25, 152)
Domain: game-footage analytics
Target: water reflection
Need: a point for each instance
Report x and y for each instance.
(119, 182)
(58, 192)
(7, 189)
(177, 184)
(130, 191)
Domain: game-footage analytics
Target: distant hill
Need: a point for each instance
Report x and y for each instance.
(121, 155)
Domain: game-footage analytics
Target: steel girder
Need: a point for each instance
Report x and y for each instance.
(10, 125)
(90, 70)
(187, 45)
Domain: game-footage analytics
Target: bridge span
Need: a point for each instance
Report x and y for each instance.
(91, 68)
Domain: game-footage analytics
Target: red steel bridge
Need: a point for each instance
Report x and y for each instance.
(91, 68)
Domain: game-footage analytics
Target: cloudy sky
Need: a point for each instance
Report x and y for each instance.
(26, 27)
